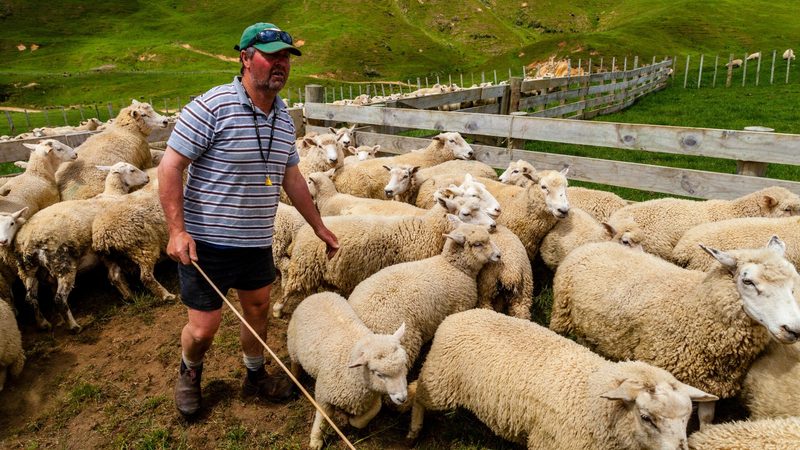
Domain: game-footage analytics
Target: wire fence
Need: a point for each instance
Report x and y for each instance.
(735, 69)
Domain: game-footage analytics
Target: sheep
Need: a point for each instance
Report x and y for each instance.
(665, 220)
(632, 305)
(305, 143)
(344, 136)
(59, 239)
(368, 178)
(771, 387)
(366, 246)
(288, 222)
(352, 366)
(12, 358)
(531, 386)
(422, 293)
(766, 434)
(518, 173)
(405, 179)
(752, 56)
(581, 228)
(361, 153)
(734, 63)
(746, 232)
(86, 125)
(134, 230)
(788, 54)
(125, 141)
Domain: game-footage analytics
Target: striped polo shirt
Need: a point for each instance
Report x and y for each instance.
(227, 201)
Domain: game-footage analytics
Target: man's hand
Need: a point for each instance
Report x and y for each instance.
(182, 248)
(330, 240)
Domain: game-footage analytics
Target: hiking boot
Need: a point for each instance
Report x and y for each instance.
(187, 390)
(275, 388)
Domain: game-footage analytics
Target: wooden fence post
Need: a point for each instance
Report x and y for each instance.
(750, 168)
(758, 68)
(788, 65)
(730, 72)
(686, 75)
(700, 71)
(772, 70)
(716, 66)
(744, 69)
(28, 119)
(10, 123)
(515, 84)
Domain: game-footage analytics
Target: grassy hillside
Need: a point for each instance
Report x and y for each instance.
(98, 52)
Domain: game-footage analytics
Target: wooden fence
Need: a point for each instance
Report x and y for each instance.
(750, 148)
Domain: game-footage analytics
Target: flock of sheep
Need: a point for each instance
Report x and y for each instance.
(788, 55)
(671, 301)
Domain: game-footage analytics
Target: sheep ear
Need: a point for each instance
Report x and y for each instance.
(565, 171)
(134, 113)
(440, 138)
(309, 141)
(400, 331)
(627, 391)
(724, 258)
(357, 360)
(329, 173)
(445, 202)
(458, 238)
(30, 146)
(777, 245)
(697, 395)
(609, 229)
(134, 101)
(532, 176)
(454, 220)
(104, 168)
(414, 170)
(333, 130)
(468, 178)
(768, 202)
(17, 214)
(353, 150)
(352, 127)
(387, 168)
(375, 149)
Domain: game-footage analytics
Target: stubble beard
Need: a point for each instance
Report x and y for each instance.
(269, 84)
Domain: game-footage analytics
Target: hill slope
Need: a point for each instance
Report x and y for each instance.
(91, 51)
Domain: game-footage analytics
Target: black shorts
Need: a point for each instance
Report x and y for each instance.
(238, 268)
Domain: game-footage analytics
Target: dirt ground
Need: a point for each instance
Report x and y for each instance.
(111, 387)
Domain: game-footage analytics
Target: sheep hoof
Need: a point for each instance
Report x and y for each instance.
(277, 309)
(44, 325)
(76, 329)
(170, 297)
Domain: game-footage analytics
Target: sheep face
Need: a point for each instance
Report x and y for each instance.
(657, 413)
(779, 202)
(400, 179)
(453, 142)
(382, 361)
(329, 146)
(475, 240)
(474, 189)
(518, 173)
(62, 151)
(146, 116)
(364, 152)
(344, 136)
(9, 225)
(467, 209)
(553, 186)
(627, 232)
(766, 282)
(130, 175)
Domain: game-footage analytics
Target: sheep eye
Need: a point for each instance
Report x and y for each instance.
(544, 188)
(466, 214)
(747, 282)
(477, 245)
(452, 141)
(515, 171)
(647, 419)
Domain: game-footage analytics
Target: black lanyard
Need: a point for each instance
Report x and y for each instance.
(268, 180)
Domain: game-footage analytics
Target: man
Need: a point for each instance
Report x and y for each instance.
(238, 141)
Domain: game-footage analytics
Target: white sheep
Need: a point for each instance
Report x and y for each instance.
(627, 304)
(353, 367)
(752, 56)
(788, 54)
(361, 153)
(663, 221)
(330, 202)
(735, 63)
(59, 239)
(518, 173)
(125, 141)
(12, 358)
(422, 293)
(766, 434)
(405, 179)
(771, 387)
(368, 178)
(533, 387)
(288, 222)
(306, 142)
(367, 244)
(746, 232)
(86, 125)
(134, 230)
(344, 136)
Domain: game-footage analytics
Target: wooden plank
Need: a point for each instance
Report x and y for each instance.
(668, 180)
(432, 101)
(559, 110)
(493, 108)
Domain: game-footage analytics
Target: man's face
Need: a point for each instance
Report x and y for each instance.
(269, 71)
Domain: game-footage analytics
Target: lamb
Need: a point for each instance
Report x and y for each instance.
(665, 220)
(361, 153)
(134, 230)
(353, 367)
(405, 179)
(665, 315)
(752, 56)
(788, 54)
(59, 239)
(518, 173)
(422, 293)
(12, 358)
(366, 246)
(344, 135)
(766, 434)
(734, 63)
(771, 387)
(125, 141)
(368, 178)
(746, 232)
(581, 228)
(534, 387)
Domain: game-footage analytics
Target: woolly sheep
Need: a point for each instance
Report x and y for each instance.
(422, 293)
(469, 187)
(752, 56)
(771, 387)
(59, 239)
(332, 203)
(766, 434)
(288, 222)
(361, 153)
(735, 63)
(352, 366)
(518, 173)
(125, 141)
(86, 125)
(632, 305)
(367, 244)
(788, 54)
(134, 230)
(531, 386)
(368, 178)
(405, 179)
(344, 136)
(12, 358)
(747, 232)
(663, 221)
(306, 142)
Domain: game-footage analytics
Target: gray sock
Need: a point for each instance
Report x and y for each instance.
(191, 364)
(253, 363)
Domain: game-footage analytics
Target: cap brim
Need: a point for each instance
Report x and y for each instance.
(272, 47)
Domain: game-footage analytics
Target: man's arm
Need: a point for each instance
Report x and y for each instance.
(181, 246)
(295, 186)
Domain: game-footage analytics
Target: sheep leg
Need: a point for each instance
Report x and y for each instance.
(149, 281)
(2, 377)
(362, 420)
(705, 413)
(316, 442)
(521, 307)
(65, 284)
(417, 416)
(32, 298)
(296, 369)
(117, 278)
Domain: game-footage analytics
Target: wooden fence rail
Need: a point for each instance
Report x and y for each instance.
(750, 146)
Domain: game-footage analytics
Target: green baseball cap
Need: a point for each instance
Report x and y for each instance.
(266, 37)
